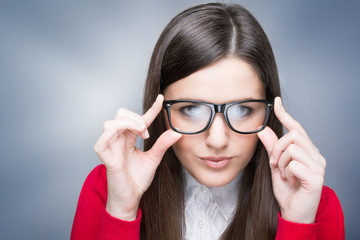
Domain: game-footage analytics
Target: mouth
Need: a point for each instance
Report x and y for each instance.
(216, 162)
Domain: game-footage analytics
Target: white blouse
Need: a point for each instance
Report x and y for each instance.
(208, 211)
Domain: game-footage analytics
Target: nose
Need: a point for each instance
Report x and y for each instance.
(217, 134)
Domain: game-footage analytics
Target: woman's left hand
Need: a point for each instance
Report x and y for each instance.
(297, 169)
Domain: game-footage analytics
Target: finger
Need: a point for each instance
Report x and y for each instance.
(123, 113)
(289, 174)
(151, 114)
(287, 121)
(127, 124)
(304, 175)
(294, 137)
(293, 153)
(268, 137)
(102, 143)
(117, 137)
(167, 139)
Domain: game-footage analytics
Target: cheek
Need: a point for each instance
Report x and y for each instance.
(247, 145)
(185, 148)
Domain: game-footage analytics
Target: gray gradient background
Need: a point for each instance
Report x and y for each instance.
(67, 66)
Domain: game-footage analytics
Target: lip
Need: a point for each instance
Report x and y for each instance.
(216, 162)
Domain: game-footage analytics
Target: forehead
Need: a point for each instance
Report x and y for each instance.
(226, 80)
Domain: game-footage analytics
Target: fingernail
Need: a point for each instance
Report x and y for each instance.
(281, 104)
(146, 135)
(159, 96)
(272, 160)
(177, 134)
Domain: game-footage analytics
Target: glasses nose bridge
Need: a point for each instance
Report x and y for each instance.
(219, 108)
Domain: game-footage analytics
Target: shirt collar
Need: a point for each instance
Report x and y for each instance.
(225, 197)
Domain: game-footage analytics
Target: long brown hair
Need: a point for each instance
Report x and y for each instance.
(192, 40)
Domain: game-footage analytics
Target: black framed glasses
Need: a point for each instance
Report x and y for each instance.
(192, 117)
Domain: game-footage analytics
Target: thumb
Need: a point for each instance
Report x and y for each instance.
(167, 139)
(268, 138)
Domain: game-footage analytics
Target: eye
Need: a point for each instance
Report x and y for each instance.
(239, 111)
(194, 110)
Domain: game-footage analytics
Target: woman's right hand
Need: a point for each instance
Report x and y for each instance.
(129, 170)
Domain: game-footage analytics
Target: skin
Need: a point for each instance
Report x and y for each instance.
(129, 170)
(296, 165)
(297, 168)
(227, 80)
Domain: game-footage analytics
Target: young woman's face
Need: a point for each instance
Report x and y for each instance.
(216, 156)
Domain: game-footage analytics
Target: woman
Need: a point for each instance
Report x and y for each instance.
(216, 164)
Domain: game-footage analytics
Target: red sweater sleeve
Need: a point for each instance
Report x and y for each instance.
(93, 222)
(91, 218)
(329, 222)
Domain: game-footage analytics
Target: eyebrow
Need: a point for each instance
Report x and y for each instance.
(204, 100)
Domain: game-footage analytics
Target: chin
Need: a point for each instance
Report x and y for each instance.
(213, 181)
(216, 185)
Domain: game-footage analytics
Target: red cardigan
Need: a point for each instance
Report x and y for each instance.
(93, 222)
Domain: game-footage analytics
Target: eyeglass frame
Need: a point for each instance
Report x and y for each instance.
(218, 108)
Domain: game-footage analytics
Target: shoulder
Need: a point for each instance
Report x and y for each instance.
(329, 210)
(328, 199)
(330, 216)
(91, 205)
(98, 173)
(96, 182)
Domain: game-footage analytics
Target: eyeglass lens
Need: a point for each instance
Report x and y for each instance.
(190, 117)
(247, 117)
